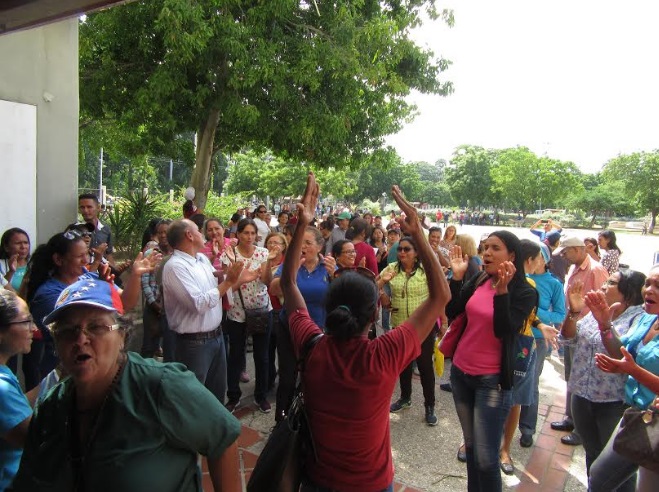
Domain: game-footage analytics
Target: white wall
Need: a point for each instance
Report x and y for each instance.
(18, 155)
(40, 69)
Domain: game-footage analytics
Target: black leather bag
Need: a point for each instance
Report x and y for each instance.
(257, 320)
(279, 467)
(638, 438)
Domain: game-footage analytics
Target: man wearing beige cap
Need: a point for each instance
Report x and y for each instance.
(592, 275)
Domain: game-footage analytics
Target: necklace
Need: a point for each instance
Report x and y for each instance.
(494, 283)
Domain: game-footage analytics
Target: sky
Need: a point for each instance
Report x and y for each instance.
(576, 80)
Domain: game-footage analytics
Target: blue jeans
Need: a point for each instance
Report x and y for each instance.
(482, 407)
(612, 472)
(207, 359)
(237, 339)
(528, 419)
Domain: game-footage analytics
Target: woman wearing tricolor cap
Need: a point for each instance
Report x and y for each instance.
(118, 421)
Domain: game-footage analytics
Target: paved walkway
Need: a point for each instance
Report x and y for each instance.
(425, 457)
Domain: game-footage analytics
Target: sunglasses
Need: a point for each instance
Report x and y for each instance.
(72, 235)
(405, 249)
(364, 272)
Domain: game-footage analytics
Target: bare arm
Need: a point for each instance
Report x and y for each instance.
(425, 316)
(293, 299)
(225, 470)
(598, 306)
(627, 365)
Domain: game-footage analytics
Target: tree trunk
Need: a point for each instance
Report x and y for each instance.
(592, 219)
(653, 221)
(201, 173)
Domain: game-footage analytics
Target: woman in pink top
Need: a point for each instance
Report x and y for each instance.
(358, 231)
(216, 242)
(496, 305)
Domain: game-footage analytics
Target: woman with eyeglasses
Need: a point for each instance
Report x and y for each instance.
(344, 252)
(358, 231)
(314, 275)
(611, 256)
(407, 279)
(14, 256)
(119, 421)
(16, 328)
(61, 262)
(598, 398)
(350, 428)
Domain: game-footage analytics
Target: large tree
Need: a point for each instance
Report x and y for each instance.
(320, 82)
(468, 176)
(640, 174)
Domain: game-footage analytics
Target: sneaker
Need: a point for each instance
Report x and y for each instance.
(446, 387)
(431, 418)
(231, 405)
(264, 406)
(400, 405)
(244, 377)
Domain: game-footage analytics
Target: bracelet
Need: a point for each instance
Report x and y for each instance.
(573, 315)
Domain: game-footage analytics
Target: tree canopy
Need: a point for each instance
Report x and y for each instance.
(319, 82)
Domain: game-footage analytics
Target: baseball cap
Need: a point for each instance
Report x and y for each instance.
(344, 216)
(87, 292)
(553, 237)
(546, 254)
(569, 242)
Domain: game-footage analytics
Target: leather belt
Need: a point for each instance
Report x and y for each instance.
(201, 335)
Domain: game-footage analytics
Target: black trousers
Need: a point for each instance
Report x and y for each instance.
(287, 361)
(426, 371)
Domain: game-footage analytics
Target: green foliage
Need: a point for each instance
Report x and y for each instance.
(605, 199)
(469, 176)
(129, 218)
(639, 173)
(321, 84)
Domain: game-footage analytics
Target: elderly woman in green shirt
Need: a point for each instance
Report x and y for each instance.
(407, 281)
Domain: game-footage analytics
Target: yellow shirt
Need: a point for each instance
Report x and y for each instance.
(407, 293)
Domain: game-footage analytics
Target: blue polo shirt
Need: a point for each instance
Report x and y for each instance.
(313, 287)
(647, 356)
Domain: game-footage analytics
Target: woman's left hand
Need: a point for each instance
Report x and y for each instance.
(307, 206)
(330, 264)
(505, 273)
(616, 366)
(143, 265)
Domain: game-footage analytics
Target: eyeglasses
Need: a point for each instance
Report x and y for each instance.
(274, 243)
(405, 249)
(611, 282)
(70, 333)
(364, 272)
(27, 321)
(349, 252)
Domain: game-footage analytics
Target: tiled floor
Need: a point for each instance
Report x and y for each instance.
(545, 471)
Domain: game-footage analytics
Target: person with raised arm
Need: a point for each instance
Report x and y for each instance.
(351, 427)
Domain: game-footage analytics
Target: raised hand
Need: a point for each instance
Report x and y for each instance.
(143, 265)
(105, 273)
(13, 262)
(362, 262)
(616, 366)
(248, 275)
(411, 224)
(387, 276)
(575, 296)
(459, 262)
(307, 206)
(330, 264)
(234, 271)
(596, 302)
(274, 252)
(549, 333)
(505, 273)
(99, 250)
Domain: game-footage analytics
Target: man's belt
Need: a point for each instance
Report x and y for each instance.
(201, 335)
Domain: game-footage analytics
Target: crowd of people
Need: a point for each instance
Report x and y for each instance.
(91, 415)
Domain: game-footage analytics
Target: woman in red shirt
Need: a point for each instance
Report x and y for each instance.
(351, 428)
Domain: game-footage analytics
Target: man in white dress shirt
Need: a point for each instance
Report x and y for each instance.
(193, 303)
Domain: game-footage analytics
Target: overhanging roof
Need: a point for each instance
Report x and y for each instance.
(23, 14)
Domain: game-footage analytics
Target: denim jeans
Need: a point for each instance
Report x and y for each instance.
(528, 419)
(482, 407)
(272, 347)
(237, 340)
(426, 371)
(612, 472)
(567, 366)
(207, 360)
(595, 423)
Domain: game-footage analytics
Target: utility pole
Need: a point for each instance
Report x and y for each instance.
(100, 179)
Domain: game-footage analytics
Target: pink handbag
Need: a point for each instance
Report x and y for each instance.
(450, 340)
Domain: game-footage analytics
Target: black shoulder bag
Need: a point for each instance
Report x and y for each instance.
(280, 464)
